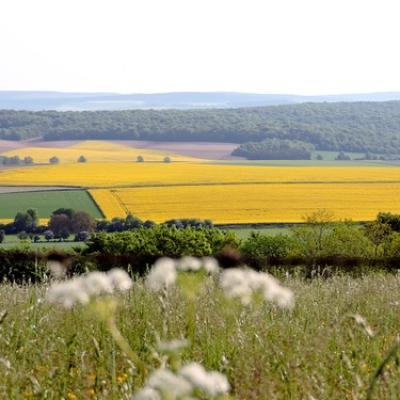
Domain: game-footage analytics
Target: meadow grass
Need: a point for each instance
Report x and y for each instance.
(315, 351)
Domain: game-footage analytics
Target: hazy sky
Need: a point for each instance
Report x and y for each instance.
(265, 46)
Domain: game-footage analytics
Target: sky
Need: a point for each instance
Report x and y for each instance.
(145, 46)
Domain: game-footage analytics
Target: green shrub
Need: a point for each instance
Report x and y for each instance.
(258, 248)
(163, 240)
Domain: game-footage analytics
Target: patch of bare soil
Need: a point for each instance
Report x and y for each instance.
(53, 144)
(206, 150)
(8, 145)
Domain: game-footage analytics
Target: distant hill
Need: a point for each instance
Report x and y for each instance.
(353, 127)
(38, 101)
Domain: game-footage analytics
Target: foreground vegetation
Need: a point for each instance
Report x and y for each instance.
(321, 349)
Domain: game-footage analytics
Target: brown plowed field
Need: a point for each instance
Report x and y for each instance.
(207, 150)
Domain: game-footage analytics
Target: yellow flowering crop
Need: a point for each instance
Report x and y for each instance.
(132, 174)
(251, 203)
(94, 151)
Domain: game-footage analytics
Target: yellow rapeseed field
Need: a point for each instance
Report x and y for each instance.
(94, 151)
(251, 203)
(152, 174)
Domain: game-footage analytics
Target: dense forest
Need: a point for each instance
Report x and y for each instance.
(359, 127)
(275, 149)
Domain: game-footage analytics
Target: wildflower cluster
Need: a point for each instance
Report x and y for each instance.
(80, 290)
(240, 283)
(184, 384)
(244, 284)
(165, 271)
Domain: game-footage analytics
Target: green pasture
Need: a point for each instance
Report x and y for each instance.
(12, 241)
(46, 202)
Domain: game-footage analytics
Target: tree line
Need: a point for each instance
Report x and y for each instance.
(319, 246)
(65, 222)
(372, 127)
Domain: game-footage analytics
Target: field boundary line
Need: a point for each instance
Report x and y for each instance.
(184, 184)
(95, 203)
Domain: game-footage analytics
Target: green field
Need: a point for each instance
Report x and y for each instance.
(245, 232)
(46, 202)
(328, 161)
(12, 241)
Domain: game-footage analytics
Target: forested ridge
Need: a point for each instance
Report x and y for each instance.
(359, 127)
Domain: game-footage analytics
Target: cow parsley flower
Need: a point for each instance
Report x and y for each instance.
(243, 284)
(212, 383)
(68, 293)
(162, 275)
(172, 386)
(166, 382)
(81, 289)
(360, 320)
(120, 280)
(189, 264)
(210, 265)
(97, 283)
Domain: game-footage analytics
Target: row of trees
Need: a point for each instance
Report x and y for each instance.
(56, 160)
(65, 222)
(16, 160)
(321, 236)
(28, 160)
(352, 127)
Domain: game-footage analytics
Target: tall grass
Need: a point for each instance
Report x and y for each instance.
(315, 351)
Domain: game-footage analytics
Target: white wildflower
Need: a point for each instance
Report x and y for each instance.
(68, 293)
(235, 283)
(120, 280)
(360, 320)
(56, 269)
(162, 275)
(272, 290)
(243, 284)
(212, 383)
(147, 394)
(97, 283)
(210, 265)
(166, 382)
(189, 264)
(81, 289)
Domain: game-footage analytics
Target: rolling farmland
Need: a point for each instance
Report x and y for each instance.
(94, 151)
(186, 188)
(160, 174)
